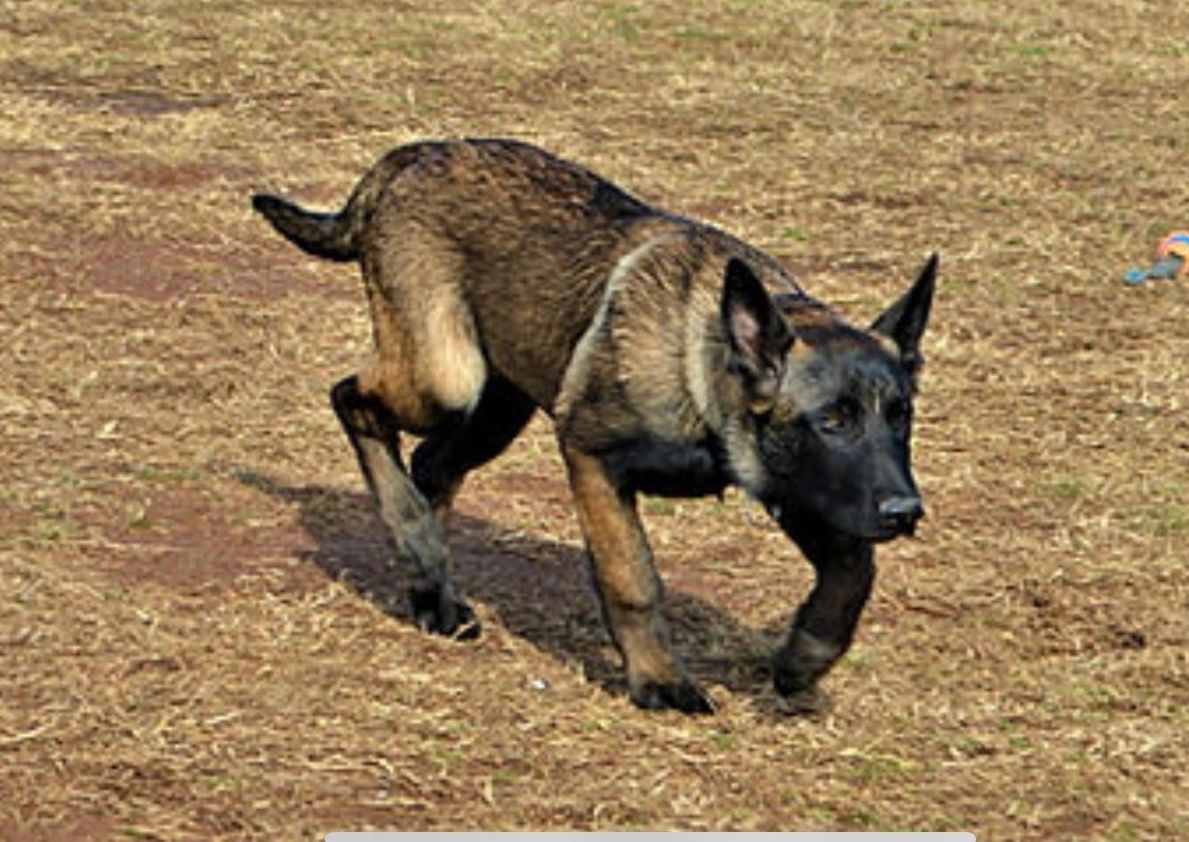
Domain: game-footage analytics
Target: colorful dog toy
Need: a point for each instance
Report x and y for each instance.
(1172, 261)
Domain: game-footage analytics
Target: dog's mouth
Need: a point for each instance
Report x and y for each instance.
(884, 529)
(885, 532)
(890, 533)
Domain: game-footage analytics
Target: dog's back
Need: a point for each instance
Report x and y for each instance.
(520, 236)
(474, 237)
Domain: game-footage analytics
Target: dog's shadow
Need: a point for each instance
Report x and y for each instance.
(539, 590)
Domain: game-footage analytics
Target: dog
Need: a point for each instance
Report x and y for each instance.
(673, 359)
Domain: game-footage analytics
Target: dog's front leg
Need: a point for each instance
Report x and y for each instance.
(825, 623)
(630, 589)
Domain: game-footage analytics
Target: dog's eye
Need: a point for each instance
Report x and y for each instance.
(832, 422)
(838, 417)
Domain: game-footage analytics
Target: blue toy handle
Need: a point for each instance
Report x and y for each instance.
(1161, 270)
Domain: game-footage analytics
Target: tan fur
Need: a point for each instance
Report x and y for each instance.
(628, 583)
(578, 370)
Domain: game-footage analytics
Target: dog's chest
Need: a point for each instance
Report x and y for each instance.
(667, 468)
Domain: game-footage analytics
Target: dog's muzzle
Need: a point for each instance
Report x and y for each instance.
(899, 515)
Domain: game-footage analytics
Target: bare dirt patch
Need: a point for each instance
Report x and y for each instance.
(184, 540)
(168, 271)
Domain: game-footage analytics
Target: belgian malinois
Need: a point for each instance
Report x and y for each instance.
(673, 358)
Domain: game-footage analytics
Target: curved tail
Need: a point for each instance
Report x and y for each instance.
(336, 236)
(329, 235)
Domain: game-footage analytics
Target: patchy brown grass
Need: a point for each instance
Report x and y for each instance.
(194, 637)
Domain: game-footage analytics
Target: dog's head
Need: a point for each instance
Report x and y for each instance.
(823, 410)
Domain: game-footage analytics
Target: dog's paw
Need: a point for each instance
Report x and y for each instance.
(811, 701)
(791, 681)
(799, 664)
(682, 695)
(438, 613)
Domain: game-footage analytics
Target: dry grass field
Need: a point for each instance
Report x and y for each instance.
(197, 641)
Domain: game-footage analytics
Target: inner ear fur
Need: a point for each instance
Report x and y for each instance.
(757, 336)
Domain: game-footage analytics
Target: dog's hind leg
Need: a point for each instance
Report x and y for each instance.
(467, 441)
(825, 623)
(630, 588)
(414, 534)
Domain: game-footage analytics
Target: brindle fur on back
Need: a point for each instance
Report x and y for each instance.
(674, 359)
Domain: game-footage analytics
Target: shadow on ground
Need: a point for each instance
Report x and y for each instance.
(539, 590)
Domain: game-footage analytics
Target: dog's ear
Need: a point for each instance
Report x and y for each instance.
(904, 322)
(758, 337)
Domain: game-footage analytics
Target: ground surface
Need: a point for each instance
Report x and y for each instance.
(193, 635)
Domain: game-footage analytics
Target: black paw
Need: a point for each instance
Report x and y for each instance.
(681, 695)
(792, 681)
(439, 614)
(798, 665)
(808, 702)
(796, 682)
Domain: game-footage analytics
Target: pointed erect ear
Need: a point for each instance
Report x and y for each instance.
(757, 335)
(904, 322)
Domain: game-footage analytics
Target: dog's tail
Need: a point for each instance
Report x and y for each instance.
(329, 235)
(335, 236)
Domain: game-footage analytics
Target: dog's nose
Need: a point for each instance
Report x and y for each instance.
(901, 513)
